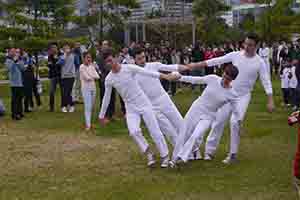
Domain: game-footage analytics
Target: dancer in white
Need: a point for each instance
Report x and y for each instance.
(264, 53)
(123, 78)
(169, 118)
(250, 65)
(203, 111)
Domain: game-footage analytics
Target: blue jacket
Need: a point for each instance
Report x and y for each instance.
(15, 70)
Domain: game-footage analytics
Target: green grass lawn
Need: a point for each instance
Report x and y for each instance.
(49, 156)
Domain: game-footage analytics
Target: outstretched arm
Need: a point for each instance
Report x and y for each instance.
(196, 79)
(106, 100)
(170, 68)
(213, 62)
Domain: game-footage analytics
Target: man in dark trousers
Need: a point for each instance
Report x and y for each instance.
(15, 67)
(104, 70)
(54, 74)
(167, 60)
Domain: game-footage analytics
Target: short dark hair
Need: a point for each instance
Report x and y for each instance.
(231, 70)
(85, 54)
(253, 36)
(106, 53)
(137, 51)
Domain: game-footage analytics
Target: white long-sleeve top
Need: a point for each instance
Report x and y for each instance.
(249, 70)
(152, 86)
(264, 53)
(214, 96)
(127, 86)
(286, 81)
(88, 74)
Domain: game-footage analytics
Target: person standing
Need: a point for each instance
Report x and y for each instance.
(68, 73)
(264, 53)
(88, 75)
(54, 74)
(104, 70)
(250, 65)
(76, 94)
(15, 67)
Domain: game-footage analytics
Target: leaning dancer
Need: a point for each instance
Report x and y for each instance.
(203, 111)
(123, 79)
(250, 66)
(168, 117)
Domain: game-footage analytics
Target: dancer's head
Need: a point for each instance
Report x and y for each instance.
(109, 60)
(230, 74)
(139, 57)
(250, 44)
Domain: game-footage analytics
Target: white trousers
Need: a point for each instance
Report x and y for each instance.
(194, 139)
(168, 117)
(89, 96)
(133, 119)
(217, 129)
(190, 122)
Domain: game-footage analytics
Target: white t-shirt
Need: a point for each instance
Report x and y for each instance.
(214, 96)
(127, 86)
(249, 70)
(152, 86)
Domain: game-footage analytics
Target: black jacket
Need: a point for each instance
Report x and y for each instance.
(54, 68)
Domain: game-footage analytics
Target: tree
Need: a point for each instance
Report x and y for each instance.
(32, 23)
(105, 15)
(278, 20)
(208, 14)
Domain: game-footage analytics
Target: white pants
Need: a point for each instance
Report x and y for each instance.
(194, 139)
(217, 129)
(168, 117)
(89, 96)
(133, 119)
(190, 122)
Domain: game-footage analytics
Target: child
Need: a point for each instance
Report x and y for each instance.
(88, 74)
(288, 83)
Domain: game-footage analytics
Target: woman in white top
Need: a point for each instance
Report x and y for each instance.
(88, 74)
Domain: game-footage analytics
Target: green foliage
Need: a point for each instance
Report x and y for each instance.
(104, 17)
(211, 27)
(277, 22)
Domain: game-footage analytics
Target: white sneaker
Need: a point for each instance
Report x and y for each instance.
(165, 162)
(151, 160)
(208, 157)
(230, 159)
(71, 109)
(172, 164)
(197, 155)
(64, 110)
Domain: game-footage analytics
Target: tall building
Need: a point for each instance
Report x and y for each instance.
(172, 8)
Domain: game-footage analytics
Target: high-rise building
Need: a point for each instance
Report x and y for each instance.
(172, 8)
